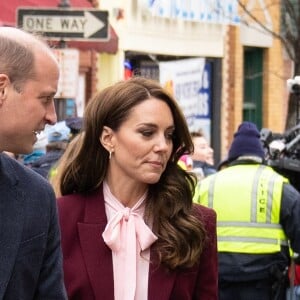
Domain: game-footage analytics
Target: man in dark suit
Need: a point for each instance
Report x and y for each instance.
(30, 252)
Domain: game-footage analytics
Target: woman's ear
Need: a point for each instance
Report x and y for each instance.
(106, 138)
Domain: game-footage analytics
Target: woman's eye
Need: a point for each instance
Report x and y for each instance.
(170, 135)
(147, 133)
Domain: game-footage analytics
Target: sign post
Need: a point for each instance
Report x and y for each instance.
(67, 24)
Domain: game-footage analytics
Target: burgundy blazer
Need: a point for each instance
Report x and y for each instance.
(88, 266)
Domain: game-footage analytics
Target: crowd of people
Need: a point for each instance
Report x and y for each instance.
(128, 203)
(258, 221)
(50, 146)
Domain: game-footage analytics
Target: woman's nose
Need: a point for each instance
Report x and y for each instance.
(162, 144)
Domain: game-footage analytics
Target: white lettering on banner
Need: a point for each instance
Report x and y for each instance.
(210, 11)
(203, 105)
(187, 89)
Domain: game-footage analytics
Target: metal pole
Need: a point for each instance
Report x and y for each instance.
(297, 108)
(64, 4)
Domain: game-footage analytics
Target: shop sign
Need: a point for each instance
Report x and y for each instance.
(68, 60)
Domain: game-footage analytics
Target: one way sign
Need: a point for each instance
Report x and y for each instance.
(67, 24)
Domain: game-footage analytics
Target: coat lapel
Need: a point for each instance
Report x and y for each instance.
(96, 253)
(98, 257)
(11, 222)
(161, 282)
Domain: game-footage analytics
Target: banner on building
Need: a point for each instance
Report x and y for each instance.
(208, 11)
(189, 81)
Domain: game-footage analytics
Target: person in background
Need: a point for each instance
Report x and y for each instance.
(185, 162)
(39, 150)
(203, 155)
(129, 227)
(293, 292)
(30, 249)
(58, 137)
(75, 124)
(71, 150)
(257, 221)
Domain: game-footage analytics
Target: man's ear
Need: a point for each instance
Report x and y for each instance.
(4, 83)
(106, 138)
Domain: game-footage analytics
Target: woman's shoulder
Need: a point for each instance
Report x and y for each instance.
(76, 200)
(206, 215)
(70, 205)
(70, 198)
(203, 210)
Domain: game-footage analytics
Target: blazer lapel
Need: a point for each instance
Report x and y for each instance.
(98, 257)
(161, 282)
(96, 253)
(11, 224)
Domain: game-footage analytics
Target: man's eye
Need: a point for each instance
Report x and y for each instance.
(47, 99)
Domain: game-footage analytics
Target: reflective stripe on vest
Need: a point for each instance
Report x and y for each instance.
(247, 199)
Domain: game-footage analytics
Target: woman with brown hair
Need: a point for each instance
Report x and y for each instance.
(129, 227)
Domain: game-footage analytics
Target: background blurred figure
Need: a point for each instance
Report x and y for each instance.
(75, 124)
(293, 292)
(59, 137)
(68, 155)
(39, 150)
(257, 220)
(129, 227)
(203, 155)
(30, 260)
(185, 162)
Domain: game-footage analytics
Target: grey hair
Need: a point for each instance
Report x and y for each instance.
(17, 59)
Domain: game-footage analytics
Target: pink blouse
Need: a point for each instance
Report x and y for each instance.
(130, 239)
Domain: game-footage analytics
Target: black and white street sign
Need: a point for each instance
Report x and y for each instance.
(67, 24)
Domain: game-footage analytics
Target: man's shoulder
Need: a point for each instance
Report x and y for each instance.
(19, 175)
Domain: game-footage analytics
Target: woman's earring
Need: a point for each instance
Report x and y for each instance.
(110, 152)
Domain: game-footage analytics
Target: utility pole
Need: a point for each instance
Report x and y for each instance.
(64, 4)
(65, 105)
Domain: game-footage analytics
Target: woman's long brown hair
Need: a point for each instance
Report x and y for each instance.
(169, 204)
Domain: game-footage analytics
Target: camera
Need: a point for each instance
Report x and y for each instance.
(294, 85)
(282, 152)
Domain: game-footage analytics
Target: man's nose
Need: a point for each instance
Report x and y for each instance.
(51, 116)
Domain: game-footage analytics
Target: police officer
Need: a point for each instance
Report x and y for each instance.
(258, 221)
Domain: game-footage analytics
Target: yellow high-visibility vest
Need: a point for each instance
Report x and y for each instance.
(247, 200)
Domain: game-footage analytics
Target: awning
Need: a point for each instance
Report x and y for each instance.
(8, 16)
